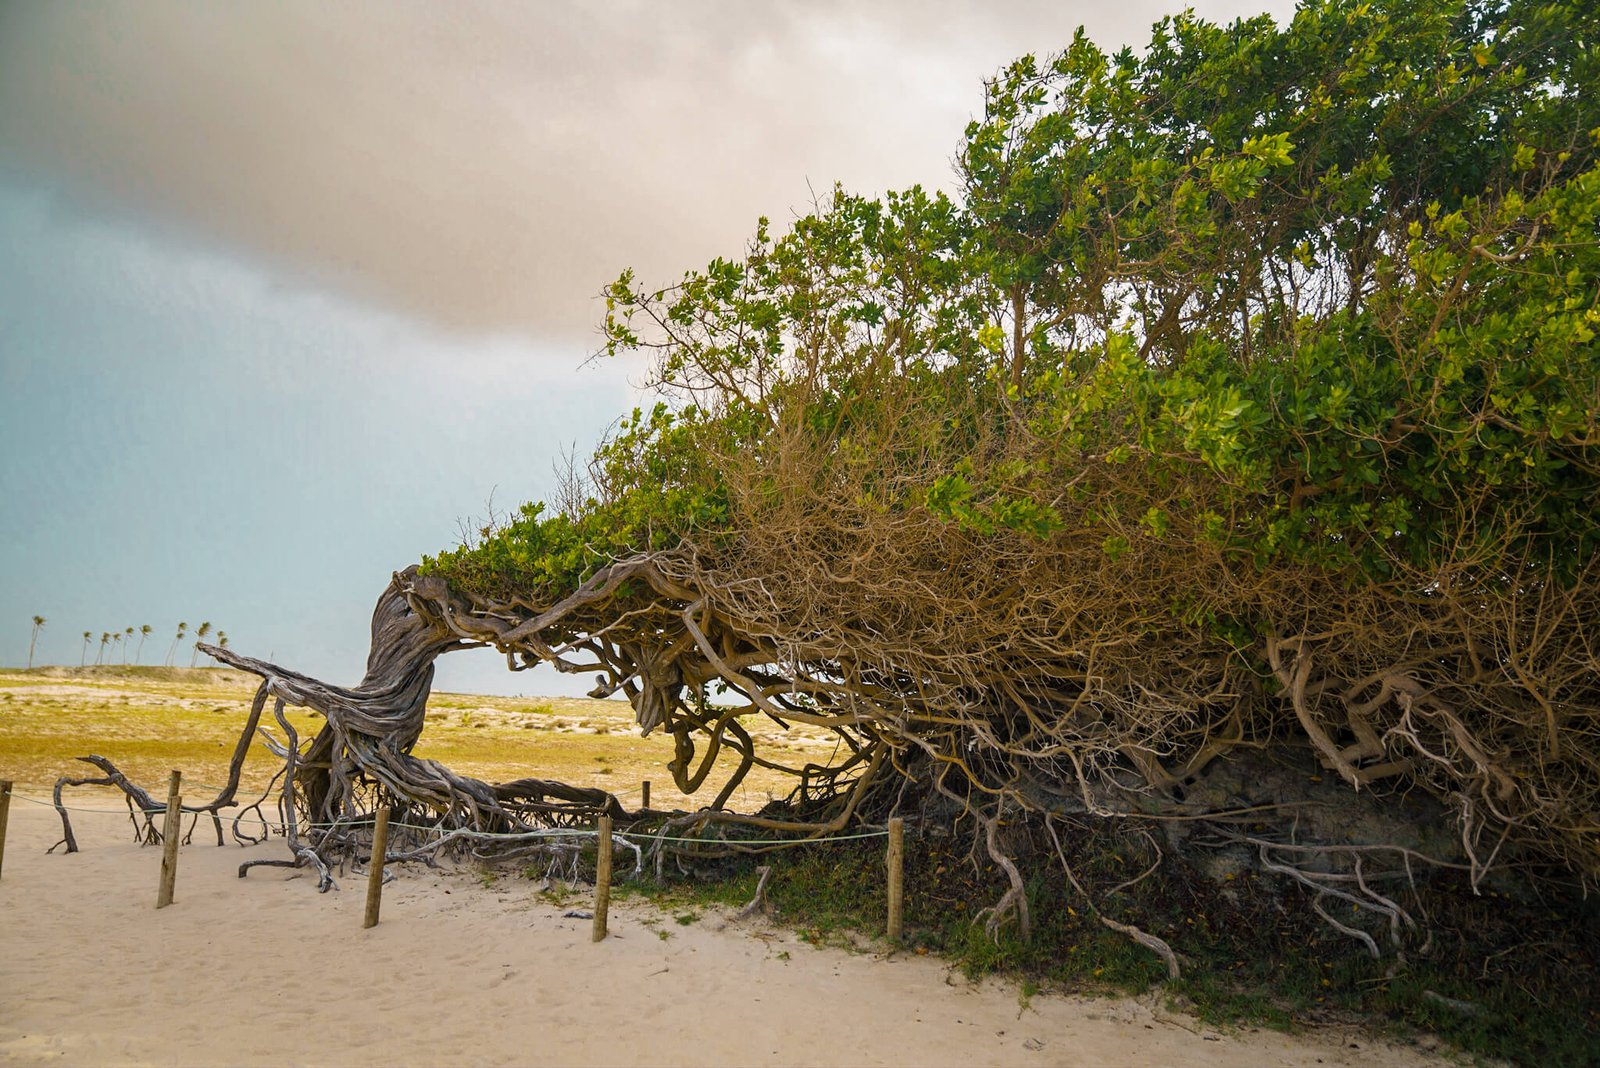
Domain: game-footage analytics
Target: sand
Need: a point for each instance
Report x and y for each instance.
(267, 971)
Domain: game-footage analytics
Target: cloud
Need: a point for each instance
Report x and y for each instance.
(488, 165)
(186, 432)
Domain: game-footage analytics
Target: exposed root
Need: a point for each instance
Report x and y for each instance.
(1149, 941)
(1351, 882)
(1354, 932)
(759, 900)
(1015, 898)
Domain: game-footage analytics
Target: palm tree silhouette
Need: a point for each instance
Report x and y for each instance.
(144, 632)
(222, 638)
(205, 628)
(183, 628)
(128, 637)
(105, 639)
(84, 659)
(38, 625)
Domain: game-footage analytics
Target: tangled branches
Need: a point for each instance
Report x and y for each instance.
(943, 681)
(1048, 676)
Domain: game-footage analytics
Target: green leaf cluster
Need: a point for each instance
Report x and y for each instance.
(1323, 293)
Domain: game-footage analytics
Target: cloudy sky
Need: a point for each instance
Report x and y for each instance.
(289, 290)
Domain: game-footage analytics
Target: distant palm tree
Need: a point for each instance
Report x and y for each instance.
(205, 628)
(116, 640)
(105, 640)
(222, 638)
(144, 632)
(183, 628)
(128, 637)
(38, 625)
(84, 659)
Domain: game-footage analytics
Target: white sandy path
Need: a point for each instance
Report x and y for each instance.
(266, 971)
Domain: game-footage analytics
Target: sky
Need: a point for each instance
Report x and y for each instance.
(291, 292)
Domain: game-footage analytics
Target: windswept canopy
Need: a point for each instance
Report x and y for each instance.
(1246, 397)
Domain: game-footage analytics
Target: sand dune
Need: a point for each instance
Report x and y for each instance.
(266, 971)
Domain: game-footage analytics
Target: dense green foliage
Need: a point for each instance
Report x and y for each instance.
(1349, 267)
(1281, 339)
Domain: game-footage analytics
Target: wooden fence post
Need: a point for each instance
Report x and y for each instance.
(602, 876)
(171, 831)
(380, 851)
(5, 812)
(646, 802)
(896, 865)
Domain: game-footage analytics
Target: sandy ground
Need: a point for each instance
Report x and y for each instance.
(266, 971)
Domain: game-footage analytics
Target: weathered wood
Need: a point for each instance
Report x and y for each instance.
(758, 900)
(5, 812)
(369, 730)
(602, 876)
(896, 861)
(645, 803)
(146, 804)
(171, 829)
(380, 848)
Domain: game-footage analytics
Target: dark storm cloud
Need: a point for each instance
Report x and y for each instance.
(490, 166)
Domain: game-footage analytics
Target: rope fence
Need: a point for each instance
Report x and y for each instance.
(603, 833)
(551, 832)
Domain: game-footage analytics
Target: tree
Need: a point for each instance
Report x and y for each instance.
(1241, 402)
(38, 625)
(105, 640)
(200, 634)
(127, 636)
(144, 632)
(1251, 365)
(183, 628)
(83, 657)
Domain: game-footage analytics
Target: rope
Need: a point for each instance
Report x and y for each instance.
(587, 832)
(235, 820)
(751, 841)
(552, 832)
(71, 808)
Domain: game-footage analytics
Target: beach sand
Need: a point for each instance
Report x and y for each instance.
(267, 971)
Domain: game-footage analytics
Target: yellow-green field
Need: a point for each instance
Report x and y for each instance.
(150, 720)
